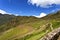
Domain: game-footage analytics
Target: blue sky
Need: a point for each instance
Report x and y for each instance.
(29, 7)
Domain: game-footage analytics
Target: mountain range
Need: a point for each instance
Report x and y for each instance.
(27, 27)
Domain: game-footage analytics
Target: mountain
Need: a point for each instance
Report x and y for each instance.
(27, 27)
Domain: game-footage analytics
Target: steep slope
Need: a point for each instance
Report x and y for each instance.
(5, 19)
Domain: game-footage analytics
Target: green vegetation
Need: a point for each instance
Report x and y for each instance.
(27, 27)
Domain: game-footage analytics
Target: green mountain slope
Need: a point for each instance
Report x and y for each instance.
(27, 27)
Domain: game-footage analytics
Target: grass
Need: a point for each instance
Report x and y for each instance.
(56, 24)
(13, 33)
(40, 34)
(37, 36)
(25, 25)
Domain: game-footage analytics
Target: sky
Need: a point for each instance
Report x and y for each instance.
(38, 8)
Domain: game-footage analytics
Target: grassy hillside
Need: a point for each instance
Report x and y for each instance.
(27, 27)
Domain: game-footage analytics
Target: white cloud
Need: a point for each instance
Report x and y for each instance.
(44, 3)
(2, 11)
(41, 15)
(16, 14)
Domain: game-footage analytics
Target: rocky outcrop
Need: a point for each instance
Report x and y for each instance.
(52, 35)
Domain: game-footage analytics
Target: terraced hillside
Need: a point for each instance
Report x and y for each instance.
(27, 27)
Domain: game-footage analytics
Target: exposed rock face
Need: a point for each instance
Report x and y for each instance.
(52, 35)
(58, 38)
